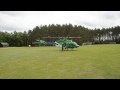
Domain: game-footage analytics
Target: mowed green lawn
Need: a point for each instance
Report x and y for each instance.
(85, 62)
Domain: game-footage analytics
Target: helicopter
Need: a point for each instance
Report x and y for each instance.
(41, 42)
(65, 44)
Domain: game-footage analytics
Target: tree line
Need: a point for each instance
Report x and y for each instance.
(97, 36)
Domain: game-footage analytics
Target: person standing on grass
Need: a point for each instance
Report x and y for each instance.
(29, 45)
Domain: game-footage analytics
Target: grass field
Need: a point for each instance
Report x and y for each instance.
(85, 62)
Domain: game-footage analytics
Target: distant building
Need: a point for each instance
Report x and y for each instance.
(35, 44)
(4, 44)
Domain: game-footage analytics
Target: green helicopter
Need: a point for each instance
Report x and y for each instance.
(41, 42)
(65, 44)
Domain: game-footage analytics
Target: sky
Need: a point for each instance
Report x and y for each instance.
(20, 21)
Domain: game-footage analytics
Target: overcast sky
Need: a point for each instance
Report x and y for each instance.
(26, 20)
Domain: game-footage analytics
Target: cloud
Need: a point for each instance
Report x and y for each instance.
(25, 20)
